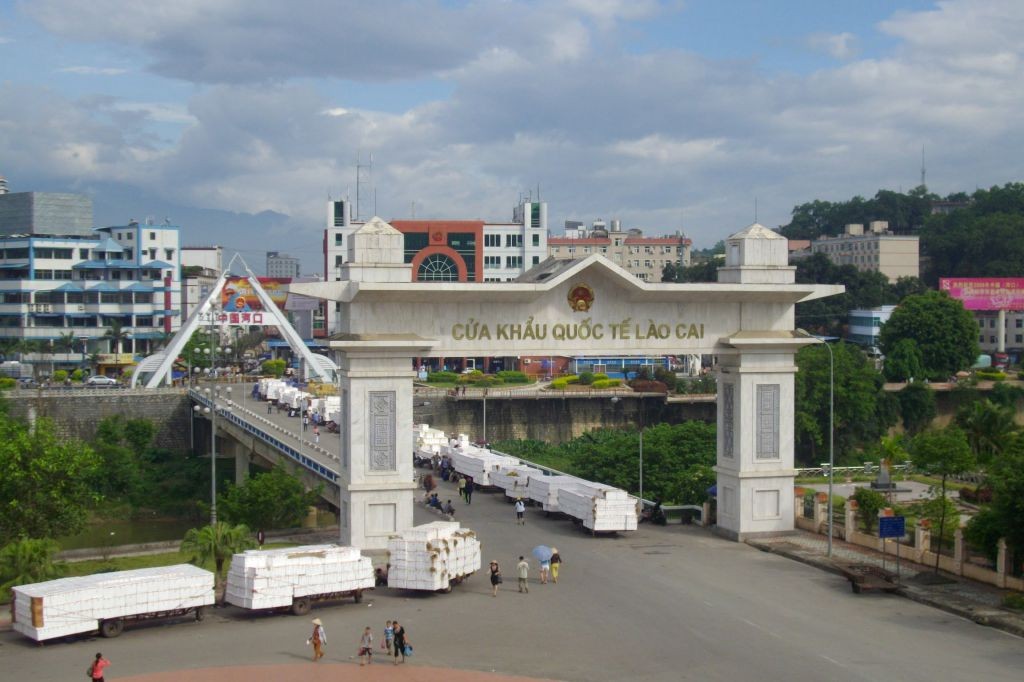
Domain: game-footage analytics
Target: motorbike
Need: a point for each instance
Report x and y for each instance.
(655, 515)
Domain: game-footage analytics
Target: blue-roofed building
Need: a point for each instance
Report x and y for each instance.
(54, 284)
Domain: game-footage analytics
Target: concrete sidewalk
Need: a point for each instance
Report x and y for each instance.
(974, 601)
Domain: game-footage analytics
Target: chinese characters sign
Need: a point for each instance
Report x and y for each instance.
(986, 293)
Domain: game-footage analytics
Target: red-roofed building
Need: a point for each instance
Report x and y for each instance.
(644, 257)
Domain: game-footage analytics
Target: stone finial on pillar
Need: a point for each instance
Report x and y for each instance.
(757, 255)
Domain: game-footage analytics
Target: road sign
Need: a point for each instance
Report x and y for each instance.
(892, 526)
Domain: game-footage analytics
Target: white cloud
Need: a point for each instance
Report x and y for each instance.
(659, 139)
(93, 70)
(842, 46)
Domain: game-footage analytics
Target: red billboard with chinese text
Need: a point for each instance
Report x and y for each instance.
(986, 293)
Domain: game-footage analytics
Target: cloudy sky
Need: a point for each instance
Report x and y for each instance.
(237, 119)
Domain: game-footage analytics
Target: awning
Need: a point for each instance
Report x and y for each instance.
(312, 343)
(108, 245)
(105, 287)
(159, 264)
(140, 287)
(68, 286)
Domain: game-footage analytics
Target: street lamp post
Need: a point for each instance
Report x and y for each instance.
(615, 399)
(225, 404)
(831, 426)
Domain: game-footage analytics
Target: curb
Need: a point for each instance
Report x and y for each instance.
(988, 616)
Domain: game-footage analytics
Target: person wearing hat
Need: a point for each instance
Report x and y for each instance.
(318, 639)
(556, 563)
(520, 512)
(495, 578)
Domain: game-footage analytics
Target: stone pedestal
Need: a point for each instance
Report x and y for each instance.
(755, 445)
(377, 481)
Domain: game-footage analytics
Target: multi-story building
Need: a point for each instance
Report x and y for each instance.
(643, 257)
(60, 286)
(866, 324)
(876, 250)
(988, 332)
(450, 250)
(281, 265)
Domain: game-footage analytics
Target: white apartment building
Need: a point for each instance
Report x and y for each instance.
(866, 325)
(877, 249)
(53, 285)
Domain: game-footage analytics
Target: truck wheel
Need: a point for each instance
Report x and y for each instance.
(200, 614)
(300, 606)
(357, 597)
(855, 587)
(112, 628)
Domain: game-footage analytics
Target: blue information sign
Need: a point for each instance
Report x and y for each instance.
(892, 526)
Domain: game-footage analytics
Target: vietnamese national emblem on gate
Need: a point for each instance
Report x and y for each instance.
(581, 297)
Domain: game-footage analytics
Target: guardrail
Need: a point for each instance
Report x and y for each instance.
(89, 391)
(266, 434)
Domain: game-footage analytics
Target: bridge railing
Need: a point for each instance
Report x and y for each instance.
(274, 435)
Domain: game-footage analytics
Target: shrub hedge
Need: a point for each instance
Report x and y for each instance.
(991, 375)
(513, 377)
(606, 383)
(442, 377)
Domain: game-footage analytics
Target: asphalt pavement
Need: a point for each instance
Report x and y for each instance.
(662, 603)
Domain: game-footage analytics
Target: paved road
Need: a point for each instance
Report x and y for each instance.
(669, 603)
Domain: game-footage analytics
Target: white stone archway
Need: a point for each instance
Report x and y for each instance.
(584, 307)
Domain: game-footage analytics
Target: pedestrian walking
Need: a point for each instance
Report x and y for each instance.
(495, 578)
(462, 487)
(520, 512)
(556, 563)
(318, 639)
(366, 646)
(270, 407)
(305, 422)
(401, 641)
(469, 490)
(97, 667)
(389, 637)
(545, 567)
(523, 567)
(316, 434)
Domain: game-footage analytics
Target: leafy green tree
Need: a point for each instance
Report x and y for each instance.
(1007, 480)
(45, 481)
(869, 503)
(917, 406)
(904, 363)
(122, 445)
(989, 428)
(862, 411)
(983, 532)
(942, 453)
(946, 334)
(274, 368)
(273, 499)
(25, 561)
(678, 460)
(701, 272)
(216, 543)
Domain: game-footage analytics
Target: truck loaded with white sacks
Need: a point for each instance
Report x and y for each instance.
(295, 578)
(107, 602)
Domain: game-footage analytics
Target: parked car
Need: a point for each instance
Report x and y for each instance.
(100, 380)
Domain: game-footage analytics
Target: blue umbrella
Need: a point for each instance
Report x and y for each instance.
(542, 552)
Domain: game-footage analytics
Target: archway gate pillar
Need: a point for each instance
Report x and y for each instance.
(376, 477)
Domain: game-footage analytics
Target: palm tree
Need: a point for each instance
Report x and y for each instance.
(117, 334)
(219, 543)
(25, 561)
(989, 428)
(66, 342)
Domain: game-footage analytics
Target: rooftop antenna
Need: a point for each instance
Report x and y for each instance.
(922, 167)
(755, 209)
(538, 192)
(360, 168)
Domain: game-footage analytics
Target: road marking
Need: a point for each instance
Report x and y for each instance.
(762, 629)
(832, 660)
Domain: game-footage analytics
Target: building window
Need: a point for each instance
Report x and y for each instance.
(83, 254)
(991, 339)
(604, 249)
(513, 240)
(438, 267)
(513, 261)
(647, 264)
(129, 236)
(152, 236)
(536, 240)
(492, 240)
(1019, 338)
(338, 260)
(492, 262)
(586, 249)
(170, 255)
(536, 260)
(338, 239)
(1019, 323)
(44, 274)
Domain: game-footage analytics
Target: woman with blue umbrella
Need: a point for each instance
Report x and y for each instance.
(543, 554)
